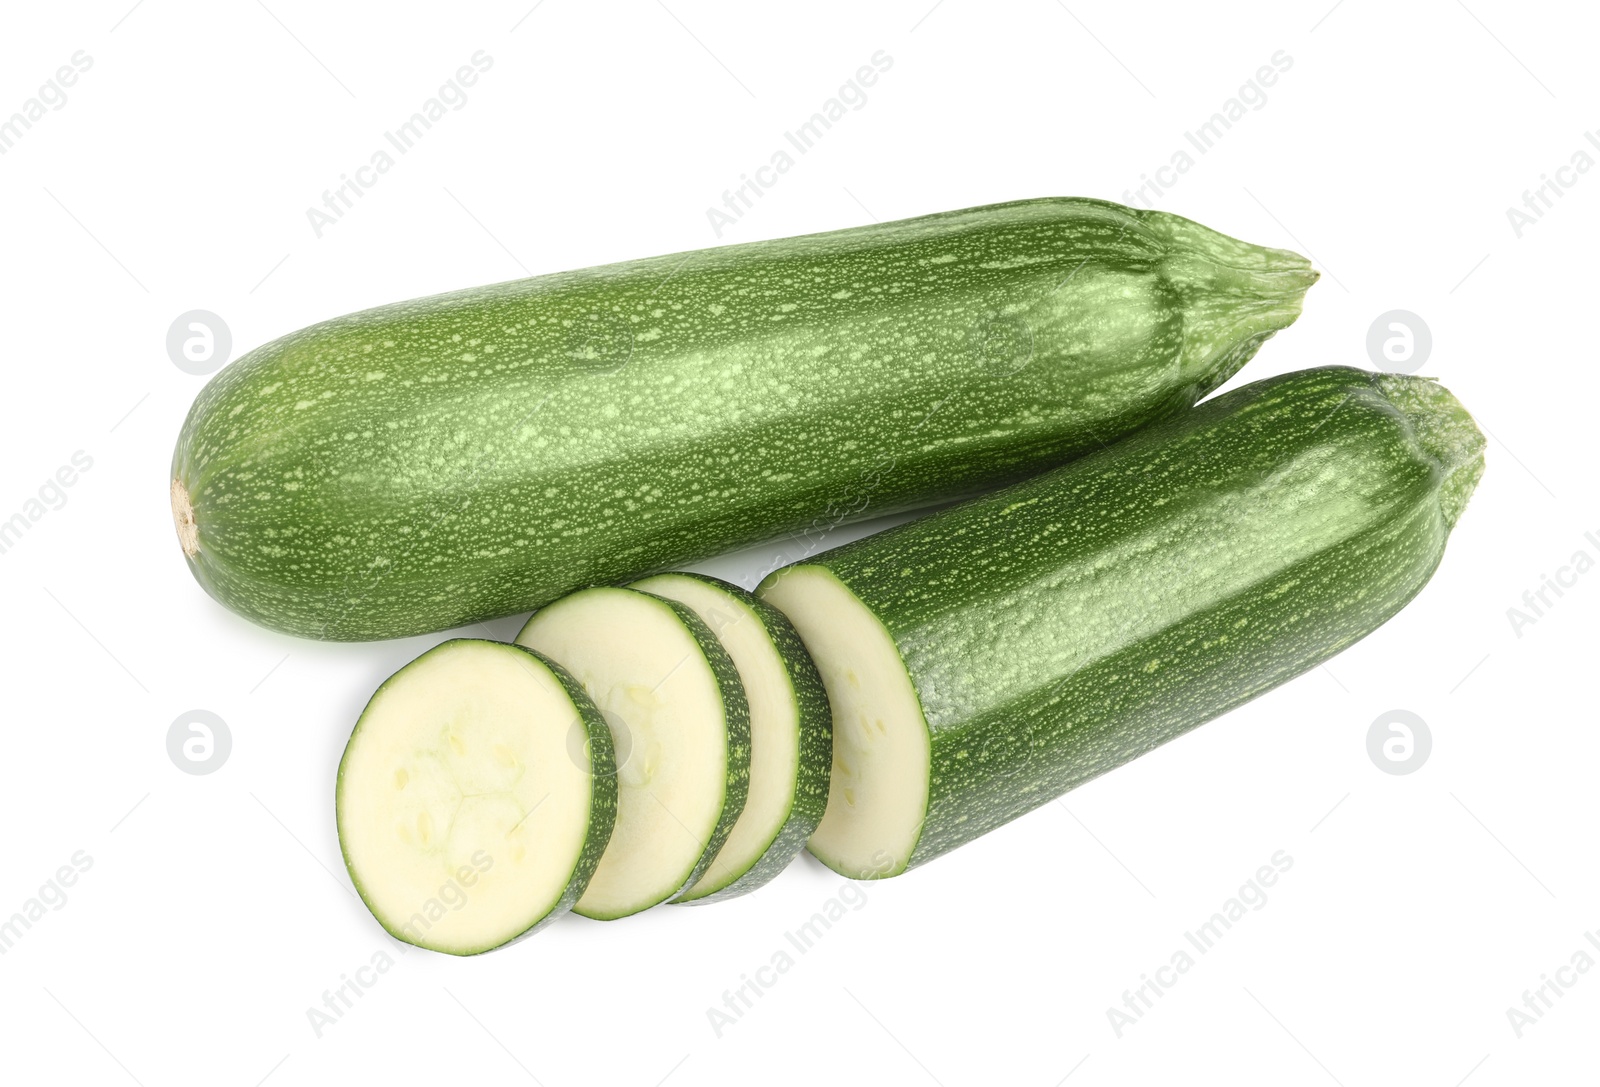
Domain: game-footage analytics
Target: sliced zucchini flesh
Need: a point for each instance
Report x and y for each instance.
(468, 813)
(680, 729)
(878, 794)
(775, 725)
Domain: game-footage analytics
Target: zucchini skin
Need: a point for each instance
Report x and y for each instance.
(1059, 628)
(446, 460)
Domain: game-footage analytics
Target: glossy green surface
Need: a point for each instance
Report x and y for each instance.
(451, 459)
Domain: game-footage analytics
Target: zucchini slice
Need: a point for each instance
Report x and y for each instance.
(681, 729)
(791, 733)
(475, 797)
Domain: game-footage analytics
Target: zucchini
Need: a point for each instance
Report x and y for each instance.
(475, 797)
(791, 733)
(989, 658)
(451, 459)
(680, 727)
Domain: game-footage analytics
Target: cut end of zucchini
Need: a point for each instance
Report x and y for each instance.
(878, 796)
(183, 519)
(1445, 431)
(467, 817)
(675, 707)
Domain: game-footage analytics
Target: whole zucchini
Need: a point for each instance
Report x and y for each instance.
(987, 659)
(450, 459)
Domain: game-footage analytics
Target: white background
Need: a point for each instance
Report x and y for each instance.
(177, 176)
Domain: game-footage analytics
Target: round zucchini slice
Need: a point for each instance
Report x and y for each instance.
(791, 733)
(680, 727)
(475, 797)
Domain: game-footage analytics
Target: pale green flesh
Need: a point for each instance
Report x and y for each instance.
(435, 462)
(775, 729)
(878, 790)
(681, 762)
(1032, 639)
(466, 800)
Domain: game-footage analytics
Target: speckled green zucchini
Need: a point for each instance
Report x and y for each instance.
(791, 734)
(476, 797)
(993, 656)
(450, 459)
